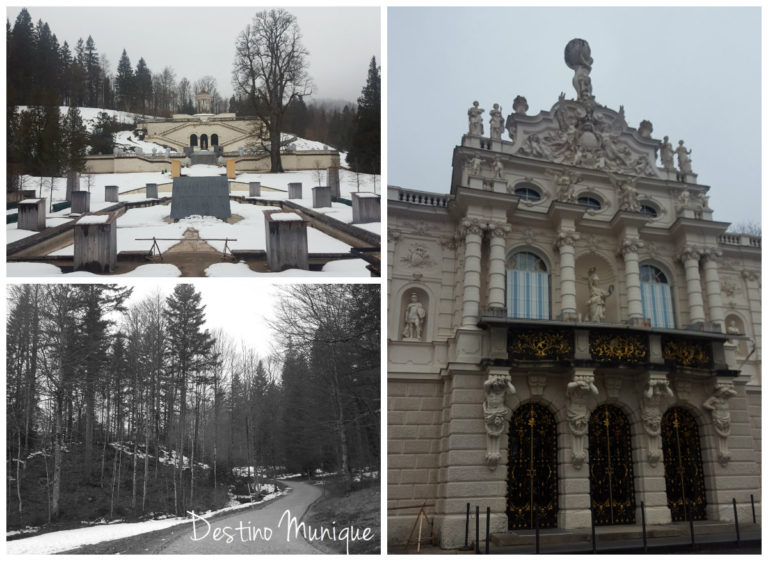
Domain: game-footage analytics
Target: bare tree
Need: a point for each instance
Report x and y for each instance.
(270, 71)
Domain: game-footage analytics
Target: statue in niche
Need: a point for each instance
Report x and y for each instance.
(415, 314)
(597, 296)
(497, 122)
(656, 392)
(667, 155)
(475, 119)
(578, 415)
(496, 414)
(683, 159)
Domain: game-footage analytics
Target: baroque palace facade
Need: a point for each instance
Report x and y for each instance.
(570, 332)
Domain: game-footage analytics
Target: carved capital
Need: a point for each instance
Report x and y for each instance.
(711, 254)
(567, 238)
(470, 226)
(630, 245)
(499, 229)
(689, 252)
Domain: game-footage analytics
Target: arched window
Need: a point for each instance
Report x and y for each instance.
(656, 297)
(527, 286)
(214, 139)
(203, 142)
(193, 140)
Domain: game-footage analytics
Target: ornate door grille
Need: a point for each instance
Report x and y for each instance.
(532, 475)
(683, 468)
(611, 481)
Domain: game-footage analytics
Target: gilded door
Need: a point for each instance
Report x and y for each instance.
(611, 480)
(683, 467)
(532, 475)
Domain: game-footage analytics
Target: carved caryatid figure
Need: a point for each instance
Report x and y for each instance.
(683, 159)
(578, 415)
(667, 155)
(652, 405)
(597, 297)
(717, 405)
(578, 58)
(496, 414)
(475, 119)
(497, 122)
(414, 319)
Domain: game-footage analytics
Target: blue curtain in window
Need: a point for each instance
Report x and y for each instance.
(657, 304)
(527, 295)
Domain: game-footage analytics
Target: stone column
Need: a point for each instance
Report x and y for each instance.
(712, 282)
(497, 265)
(629, 249)
(565, 244)
(473, 236)
(690, 258)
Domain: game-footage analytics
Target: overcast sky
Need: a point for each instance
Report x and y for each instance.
(693, 72)
(240, 307)
(199, 41)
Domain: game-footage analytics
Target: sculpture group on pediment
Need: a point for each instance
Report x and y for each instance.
(578, 58)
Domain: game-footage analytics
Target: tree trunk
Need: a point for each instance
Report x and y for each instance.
(58, 453)
(274, 147)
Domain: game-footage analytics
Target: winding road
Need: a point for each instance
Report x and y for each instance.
(262, 531)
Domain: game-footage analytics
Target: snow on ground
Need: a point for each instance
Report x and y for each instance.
(165, 457)
(90, 115)
(65, 540)
(130, 142)
(347, 268)
(152, 221)
(46, 270)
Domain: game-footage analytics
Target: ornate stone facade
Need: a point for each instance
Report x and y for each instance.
(573, 269)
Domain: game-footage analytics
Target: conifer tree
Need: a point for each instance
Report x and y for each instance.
(125, 83)
(365, 151)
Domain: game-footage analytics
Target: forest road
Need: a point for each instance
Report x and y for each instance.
(262, 531)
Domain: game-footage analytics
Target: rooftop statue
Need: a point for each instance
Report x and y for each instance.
(475, 115)
(497, 122)
(578, 58)
(683, 159)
